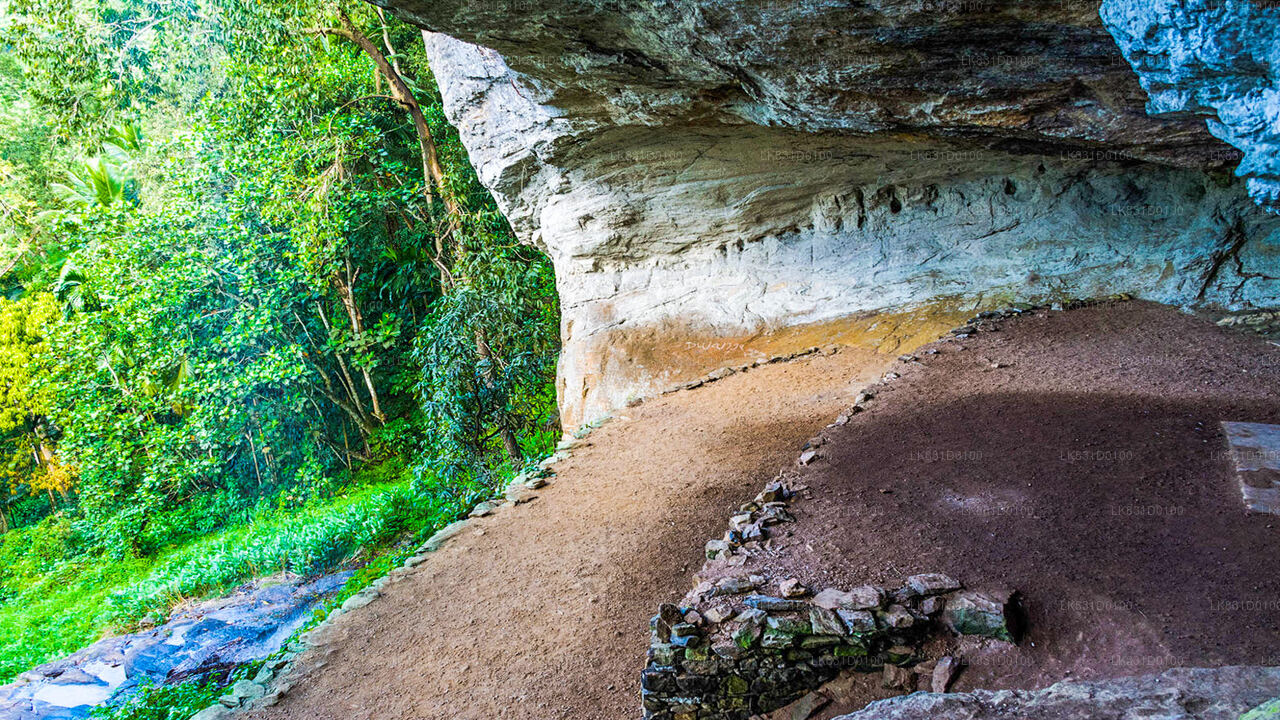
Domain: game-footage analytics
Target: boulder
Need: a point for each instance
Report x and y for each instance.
(988, 614)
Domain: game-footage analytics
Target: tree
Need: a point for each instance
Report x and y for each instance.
(26, 433)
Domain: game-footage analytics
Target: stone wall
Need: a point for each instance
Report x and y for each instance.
(735, 649)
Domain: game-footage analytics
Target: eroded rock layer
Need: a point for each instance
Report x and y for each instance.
(710, 175)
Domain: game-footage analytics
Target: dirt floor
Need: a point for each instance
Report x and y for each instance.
(1075, 457)
(542, 610)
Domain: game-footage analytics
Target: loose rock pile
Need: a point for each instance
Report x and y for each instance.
(736, 650)
(727, 663)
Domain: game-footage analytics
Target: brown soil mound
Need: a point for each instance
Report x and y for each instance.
(545, 614)
(1075, 457)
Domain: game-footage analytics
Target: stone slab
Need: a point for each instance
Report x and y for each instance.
(1255, 452)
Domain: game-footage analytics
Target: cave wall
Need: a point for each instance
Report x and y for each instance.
(1218, 59)
(716, 181)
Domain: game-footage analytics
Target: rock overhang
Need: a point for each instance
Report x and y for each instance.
(709, 171)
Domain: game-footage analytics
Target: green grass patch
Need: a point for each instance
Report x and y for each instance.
(71, 603)
(163, 702)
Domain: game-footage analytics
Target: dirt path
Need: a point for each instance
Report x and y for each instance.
(542, 610)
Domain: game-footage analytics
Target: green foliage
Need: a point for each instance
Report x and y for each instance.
(238, 318)
(163, 702)
(52, 605)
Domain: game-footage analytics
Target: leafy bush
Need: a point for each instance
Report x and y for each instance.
(163, 702)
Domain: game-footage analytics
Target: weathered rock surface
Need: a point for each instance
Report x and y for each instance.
(1180, 694)
(206, 638)
(1218, 58)
(720, 181)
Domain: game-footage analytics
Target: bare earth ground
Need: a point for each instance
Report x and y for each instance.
(545, 614)
(1075, 457)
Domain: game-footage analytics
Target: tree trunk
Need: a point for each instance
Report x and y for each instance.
(433, 174)
(508, 438)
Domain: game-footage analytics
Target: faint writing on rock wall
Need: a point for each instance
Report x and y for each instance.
(720, 347)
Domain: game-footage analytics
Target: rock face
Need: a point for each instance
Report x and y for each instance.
(1220, 59)
(1180, 694)
(719, 180)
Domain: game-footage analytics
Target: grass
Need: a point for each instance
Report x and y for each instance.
(75, 602)
(54, 601)
(61, 611)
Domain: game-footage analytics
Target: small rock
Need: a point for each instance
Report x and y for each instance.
(808, 456)
(434, 542)
(668, 616)
(264, 676)
(360, 599)
(897, 617)
(774, 604)
(831, 598)
(482, 509)
(733, 585)
(865, 597)
(773, 492)
(858, 621)
(804, 708)
(775, 513)
(728, 651)
(943, 673)
(717, 614)
(750, 629)
(684, 629)
(717, 548)
(693, 617)
(931, 584)
(932, 605)
(826, 622)
(792, 588)
(896, 678)
(788, 625)
(247, 690)
(900, 654)
(535, 483)
(213, 712)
